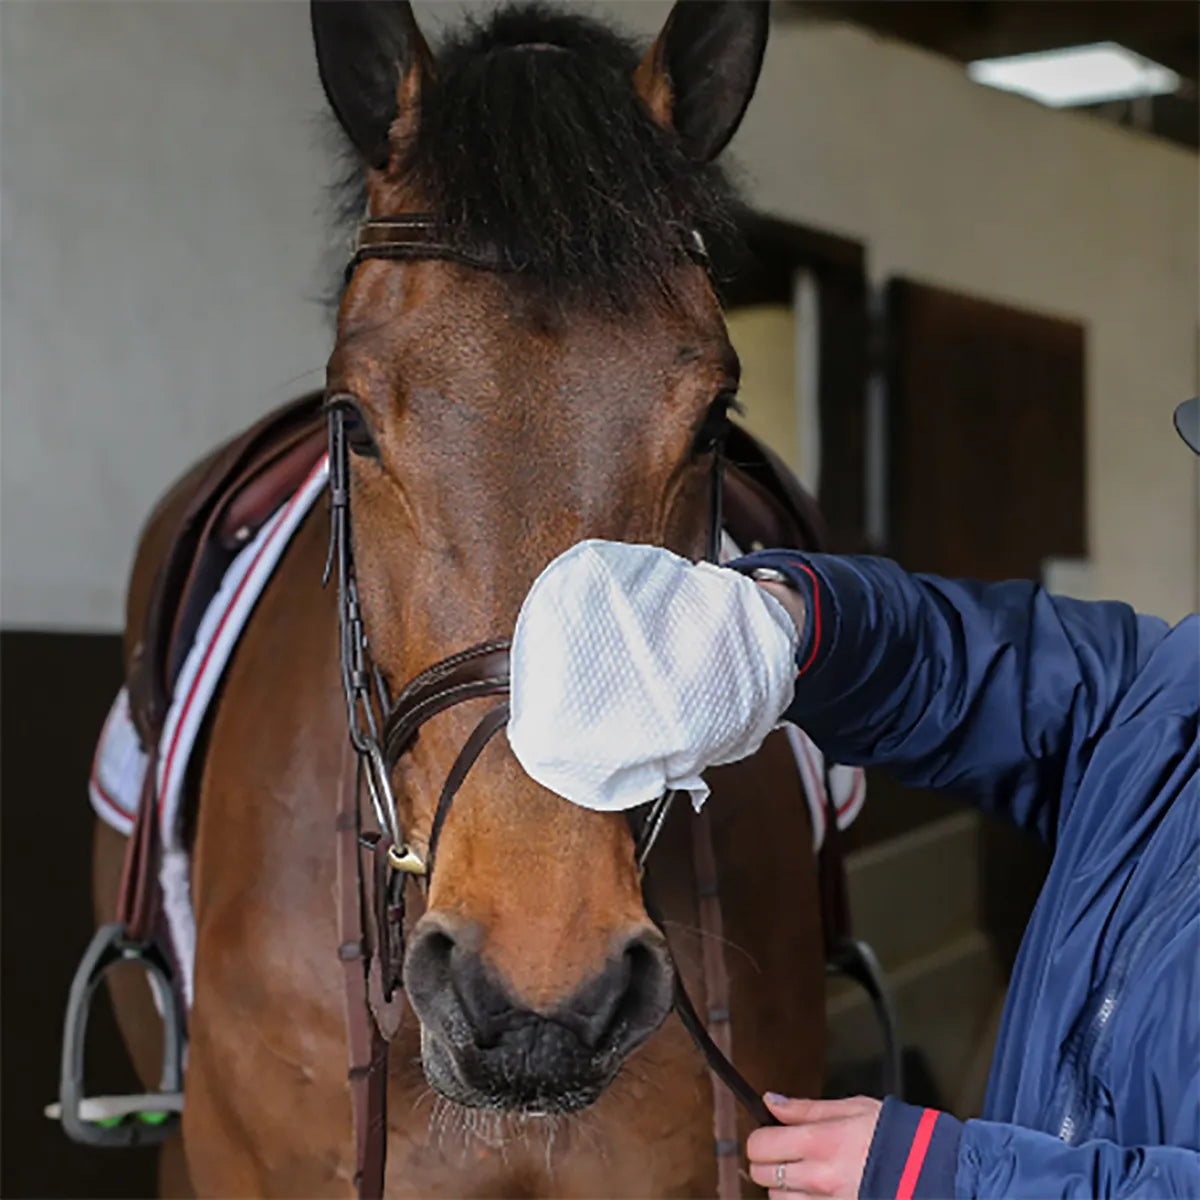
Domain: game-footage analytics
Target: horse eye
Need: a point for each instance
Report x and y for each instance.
(714, 429)
(355, 429)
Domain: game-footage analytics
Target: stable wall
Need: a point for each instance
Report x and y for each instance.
(968, 188)
(162, 175)
(972, 189)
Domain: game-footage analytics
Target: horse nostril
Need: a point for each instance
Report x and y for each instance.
(429, 964)
(450, 983)
(436, 950)
(628, 1000)
(649, 993)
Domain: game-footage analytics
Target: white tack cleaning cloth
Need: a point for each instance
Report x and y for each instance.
(634, 669)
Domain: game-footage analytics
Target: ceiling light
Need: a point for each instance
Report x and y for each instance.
(1076, 75)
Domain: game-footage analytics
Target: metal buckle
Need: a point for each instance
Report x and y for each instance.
(406, 860)
(136, 1120)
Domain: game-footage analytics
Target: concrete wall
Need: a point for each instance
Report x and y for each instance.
(162, 170)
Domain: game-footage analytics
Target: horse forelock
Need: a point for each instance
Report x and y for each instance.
(531, 143)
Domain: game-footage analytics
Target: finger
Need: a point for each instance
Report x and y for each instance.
(796, 1111)
(767, 1175)
(779, 1143)
(806, 1178)
(791, 1111)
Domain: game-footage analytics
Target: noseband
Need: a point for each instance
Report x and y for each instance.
(381, 741)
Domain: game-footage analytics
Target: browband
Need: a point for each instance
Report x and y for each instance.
(415, 236)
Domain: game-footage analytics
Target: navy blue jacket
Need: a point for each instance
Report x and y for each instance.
(1077, 721)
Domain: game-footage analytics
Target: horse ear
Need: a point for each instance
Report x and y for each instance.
(699, 75)
(372, 59)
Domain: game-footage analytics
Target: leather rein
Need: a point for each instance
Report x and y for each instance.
(382, 731)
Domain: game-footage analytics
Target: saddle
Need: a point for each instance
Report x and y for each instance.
(195, 533)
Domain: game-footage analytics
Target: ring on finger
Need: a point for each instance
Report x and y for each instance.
(780, 1181)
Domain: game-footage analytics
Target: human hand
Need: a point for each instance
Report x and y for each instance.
(791, 600)
(820, 1149)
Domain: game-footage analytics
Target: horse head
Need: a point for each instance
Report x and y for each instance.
(497, 416)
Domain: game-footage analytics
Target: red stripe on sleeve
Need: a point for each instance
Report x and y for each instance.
(916, 1154)
(816, 592)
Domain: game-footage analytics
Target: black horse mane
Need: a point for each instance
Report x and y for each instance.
(532, 143)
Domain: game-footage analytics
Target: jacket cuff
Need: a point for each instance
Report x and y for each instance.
(814, 637)
(913, 1155)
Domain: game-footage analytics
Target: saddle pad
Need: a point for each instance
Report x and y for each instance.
(119, 764)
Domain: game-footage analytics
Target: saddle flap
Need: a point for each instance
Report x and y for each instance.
(273, 474)
(263, 488)
(191, 537)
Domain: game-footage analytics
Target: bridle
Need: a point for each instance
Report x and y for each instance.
(383, 730)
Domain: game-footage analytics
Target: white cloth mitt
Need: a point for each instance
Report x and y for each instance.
(634, 669)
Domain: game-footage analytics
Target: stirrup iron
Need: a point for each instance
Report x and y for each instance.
(123, 1121)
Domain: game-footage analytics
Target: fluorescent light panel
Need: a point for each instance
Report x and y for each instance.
(1076, 75)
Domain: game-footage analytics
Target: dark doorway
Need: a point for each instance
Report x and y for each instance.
(55, 690)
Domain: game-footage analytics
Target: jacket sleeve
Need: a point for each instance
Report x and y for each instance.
(996, 691)
(921, 1153)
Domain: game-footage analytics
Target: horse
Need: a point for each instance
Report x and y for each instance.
(550, 364)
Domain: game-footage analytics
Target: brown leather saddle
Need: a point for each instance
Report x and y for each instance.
(195, 533)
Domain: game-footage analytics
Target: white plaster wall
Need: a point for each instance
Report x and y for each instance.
(161, 183)
(161, 177)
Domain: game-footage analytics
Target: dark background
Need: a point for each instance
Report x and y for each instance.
(55, 691)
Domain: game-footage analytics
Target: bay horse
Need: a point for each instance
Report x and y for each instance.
(562, 374)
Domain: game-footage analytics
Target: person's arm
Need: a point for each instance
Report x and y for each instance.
(896, 1151)
(997, 691)
(935, 1155)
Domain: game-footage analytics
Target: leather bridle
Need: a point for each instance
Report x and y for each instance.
(382, 731)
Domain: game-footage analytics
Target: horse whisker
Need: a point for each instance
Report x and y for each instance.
(701, 934)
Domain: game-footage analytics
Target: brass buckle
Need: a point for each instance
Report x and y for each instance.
(406, 859)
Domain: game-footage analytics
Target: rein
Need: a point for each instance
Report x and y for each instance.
(374, 964)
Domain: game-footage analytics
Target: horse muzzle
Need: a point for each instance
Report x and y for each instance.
(483, 1048)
